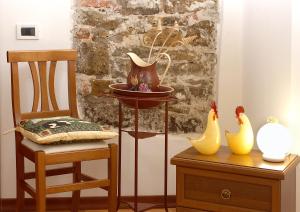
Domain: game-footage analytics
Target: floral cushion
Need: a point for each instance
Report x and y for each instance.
(62, 129)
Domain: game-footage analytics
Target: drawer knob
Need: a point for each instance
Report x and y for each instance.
(225, 194)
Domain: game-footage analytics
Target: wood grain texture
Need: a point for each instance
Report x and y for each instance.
(182, 209)
(76, 179)
(129, 210)
(251, 164)
(20, 176)
(72, 88)
(86, 203)
(82, 155)
(77, 186)
(239, 183)
(112, 176)
(46, 90)
(29, 189)
(44, 86)
(25, 152)
(40, 183)
(52, 172)
(15, 92)
(45, 114)
(52, 85)
(288, 192)
(41, 55)
(207, 186)
(36, 87)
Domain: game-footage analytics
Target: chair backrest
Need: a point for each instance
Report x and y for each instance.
(43, 88)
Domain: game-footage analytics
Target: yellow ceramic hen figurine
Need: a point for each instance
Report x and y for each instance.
(241, 142)
(209, 143)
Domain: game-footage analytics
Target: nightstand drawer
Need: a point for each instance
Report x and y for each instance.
(215, 190)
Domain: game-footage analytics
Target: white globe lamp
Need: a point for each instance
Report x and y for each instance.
(274, 140)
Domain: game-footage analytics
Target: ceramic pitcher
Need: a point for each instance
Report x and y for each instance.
(143, 76)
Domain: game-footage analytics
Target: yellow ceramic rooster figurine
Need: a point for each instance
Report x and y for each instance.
(241, 142)
(209, 143)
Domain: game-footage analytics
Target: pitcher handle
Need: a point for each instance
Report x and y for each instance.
(167, 68)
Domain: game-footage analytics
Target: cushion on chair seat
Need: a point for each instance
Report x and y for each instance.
(62, 129)
(57, 148)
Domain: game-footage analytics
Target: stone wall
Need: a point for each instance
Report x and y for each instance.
(105, 30)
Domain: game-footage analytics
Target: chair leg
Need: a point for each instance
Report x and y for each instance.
(40, 172)
(20, 178)
(76, 194)
(112, 175)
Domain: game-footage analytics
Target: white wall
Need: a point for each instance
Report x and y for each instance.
(258, 68)
(55, 22)
(294, 115)
(1, 44)
(267, 59)
(231, 64)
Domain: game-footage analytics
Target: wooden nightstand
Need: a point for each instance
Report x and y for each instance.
(234, 183)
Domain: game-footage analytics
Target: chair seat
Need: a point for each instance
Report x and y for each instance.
(57, 148)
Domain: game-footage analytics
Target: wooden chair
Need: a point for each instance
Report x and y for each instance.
(43, 155)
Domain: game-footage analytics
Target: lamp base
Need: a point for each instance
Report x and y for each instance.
(274, 158)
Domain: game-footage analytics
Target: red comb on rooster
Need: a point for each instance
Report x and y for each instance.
(238, 111)
(214, 107)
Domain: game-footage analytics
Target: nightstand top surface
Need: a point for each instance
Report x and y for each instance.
(224, 160)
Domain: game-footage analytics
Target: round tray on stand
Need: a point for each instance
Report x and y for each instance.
(146, 99)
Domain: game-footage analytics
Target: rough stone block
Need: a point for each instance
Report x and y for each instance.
(206, 34)
(199, 65)
(97, 19)
(99, 109)
(82, 33)
(185, 6)
(88, 17)
(170, 21)
(204, 89)
(112, 4)
(140, 7)
(182, 54)
(178, 123)
(150, 36)
(93, 58)
(120, 69)
(83, 82)
(98, 34)
(100, 86)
